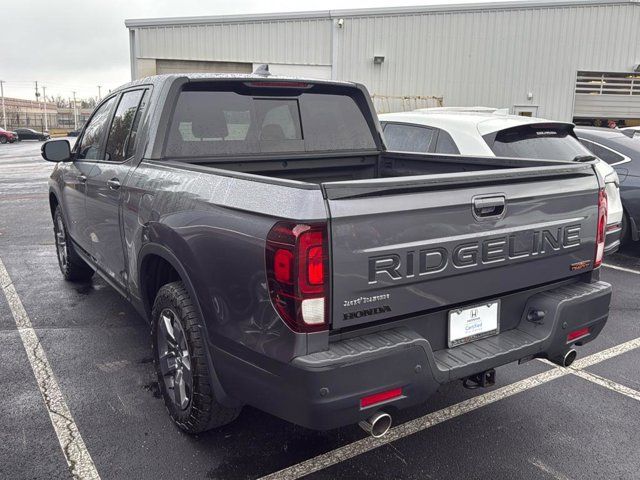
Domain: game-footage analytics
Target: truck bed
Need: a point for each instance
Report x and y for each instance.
(322, 169)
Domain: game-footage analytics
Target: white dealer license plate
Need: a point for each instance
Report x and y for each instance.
(473, 323)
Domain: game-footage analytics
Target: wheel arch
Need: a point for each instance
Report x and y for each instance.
(152, 256)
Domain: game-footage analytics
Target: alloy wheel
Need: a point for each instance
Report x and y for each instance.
(61, 243)
(174, 360)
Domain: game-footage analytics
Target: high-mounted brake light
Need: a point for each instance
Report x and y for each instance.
(602, 227)
(276, 84)
(297, 272)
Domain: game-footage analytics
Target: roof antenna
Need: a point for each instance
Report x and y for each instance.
(262, 70)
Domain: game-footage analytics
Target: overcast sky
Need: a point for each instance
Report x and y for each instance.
(69, 45)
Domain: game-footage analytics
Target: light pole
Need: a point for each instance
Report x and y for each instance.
(4, 114)
(38, 104)
(99, 96)
(44, 96)
(75, 113)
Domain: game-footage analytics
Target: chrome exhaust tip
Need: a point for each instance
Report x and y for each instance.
(569, 358)
(377, 425)
(565, 359)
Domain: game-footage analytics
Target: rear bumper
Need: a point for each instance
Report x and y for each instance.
(323, 390)
(612, 239)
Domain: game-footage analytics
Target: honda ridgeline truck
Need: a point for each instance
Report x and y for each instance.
(286, 260)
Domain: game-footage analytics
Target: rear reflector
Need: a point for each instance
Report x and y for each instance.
(577, 334)
(380, 397)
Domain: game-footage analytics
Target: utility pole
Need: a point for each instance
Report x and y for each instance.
(75, 113)
(38, 104)
(4, 114)
(99, 97)
(44, 96)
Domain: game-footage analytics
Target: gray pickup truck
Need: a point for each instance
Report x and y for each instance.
(286, 260)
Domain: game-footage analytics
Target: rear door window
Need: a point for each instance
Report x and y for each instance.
(133, 136)
(243, 120)
(408, 138)
(121, 126)
(546, 142)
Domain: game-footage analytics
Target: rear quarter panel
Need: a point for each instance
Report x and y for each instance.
(216, 226)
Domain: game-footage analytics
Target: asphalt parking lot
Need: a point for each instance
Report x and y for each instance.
(77, 382)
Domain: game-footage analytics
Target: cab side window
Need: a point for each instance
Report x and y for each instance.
(92, 142)
(121, 126)
(445, 144)
(408, 138)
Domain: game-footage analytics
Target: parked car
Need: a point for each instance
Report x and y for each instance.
(490, 132)
(31, 134)
(623, 154)
(286, 260)
(74, 133)
(7, 137)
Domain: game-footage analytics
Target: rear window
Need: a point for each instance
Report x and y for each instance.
(210, 121)
(536, 141)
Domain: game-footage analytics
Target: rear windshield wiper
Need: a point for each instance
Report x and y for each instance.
(584, 158)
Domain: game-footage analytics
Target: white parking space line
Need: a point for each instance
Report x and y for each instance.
(413, 426)
(606, 383)
(586, 362)
(622, 269)
(75, 451)
(427, 421)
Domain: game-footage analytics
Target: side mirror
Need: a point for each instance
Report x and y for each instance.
(56, 151)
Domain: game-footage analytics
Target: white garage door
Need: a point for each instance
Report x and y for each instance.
(191, 66)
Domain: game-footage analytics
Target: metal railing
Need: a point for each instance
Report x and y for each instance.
(607, 83)
(27, 118)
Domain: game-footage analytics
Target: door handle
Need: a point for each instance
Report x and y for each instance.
(82, 178)
(488, 207)
(113, 184)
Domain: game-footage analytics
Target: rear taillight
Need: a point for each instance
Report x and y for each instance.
(297, 272)
(602, 227)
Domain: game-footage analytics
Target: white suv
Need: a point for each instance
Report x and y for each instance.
(491, 132)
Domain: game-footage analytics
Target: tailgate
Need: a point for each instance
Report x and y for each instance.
(402, 246)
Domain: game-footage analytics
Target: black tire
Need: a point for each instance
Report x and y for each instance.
(3, 140)
(184, 379)
(73, 267)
